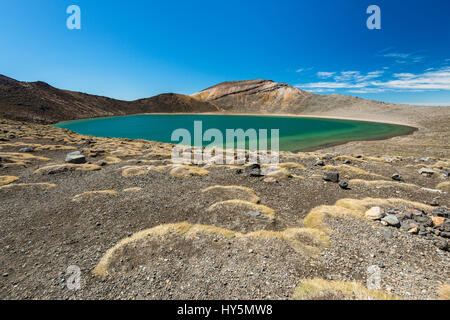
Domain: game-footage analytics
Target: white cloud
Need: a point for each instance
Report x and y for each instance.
(325, 75)
(404, 82)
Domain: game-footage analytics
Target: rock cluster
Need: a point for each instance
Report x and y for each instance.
(434, 225)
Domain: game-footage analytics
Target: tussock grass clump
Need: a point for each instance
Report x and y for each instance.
(134, 171)
(320, 289)
(444, 292)
(292, 165)
(4, 180)
(383, 184)
(245, 206)
(135, 189)
(42, 185)
(188, 171)
(351, 170)
(233, 192)
(298, 238)
(444, 186)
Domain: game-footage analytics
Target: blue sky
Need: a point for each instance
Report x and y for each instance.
(135, 49)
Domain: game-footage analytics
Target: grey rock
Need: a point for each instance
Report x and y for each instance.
(424, 221)
(332, 176)
(434, 203)
(391, 220)
(26, 149)
(427, 172)
(374, 213)
(343, 185)
(75, 157)
(442, 244)
(320, 163)
(253, 213)
(387, 233)
(397, 177)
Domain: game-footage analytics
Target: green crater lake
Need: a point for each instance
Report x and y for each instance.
(295, 133)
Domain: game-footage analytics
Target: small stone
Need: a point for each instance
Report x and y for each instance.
(343, 185)
(437, 221)
(320, 163)
(26, 149)
(434, 203)
(253, 213)
(5, 275)
(347, 161)
(413, 230)
(391, 220)
(270, 180)
(374, 213)
(426, 172)
(332, 176)
(442, 244)
(397, 177)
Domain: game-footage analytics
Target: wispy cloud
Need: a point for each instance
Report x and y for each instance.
(355, 82)
(325, 75)
(402, 58)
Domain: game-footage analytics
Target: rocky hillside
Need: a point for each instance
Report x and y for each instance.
(272, 97)
(40, 102)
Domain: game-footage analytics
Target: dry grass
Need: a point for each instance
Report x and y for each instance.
(188, 171)
(319, 289)
(383, 184)
(351, 171)
(444, 186)
(4, 180)
(280, 174)
(42, 185)
(292, 165)
(299, 239)
(352, 159)
(135, 189)
(134, 171)
(444, 292)
(244, 206)
(233, 192)
(354, 208)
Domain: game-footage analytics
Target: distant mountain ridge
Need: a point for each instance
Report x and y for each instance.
(272, 97)
(40, 102)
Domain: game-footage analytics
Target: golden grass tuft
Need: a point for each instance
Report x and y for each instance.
(353, 159)
(135, 189)
(444, 186)
(43, 185)
(292, 165)
(233, 192)
(4, 180)
(185, 171)
(90, 194)
(351, 170)
(279, 174)
(444, 292)
(383, 184)
(134, 171)
(298, 238)
(319, 289)
(244, 206)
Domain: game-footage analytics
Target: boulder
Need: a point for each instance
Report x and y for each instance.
(374, 213)
(332, 176)
(391, 220)
(427, 172)
(75, 157)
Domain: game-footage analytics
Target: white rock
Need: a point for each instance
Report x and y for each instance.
(374, 213)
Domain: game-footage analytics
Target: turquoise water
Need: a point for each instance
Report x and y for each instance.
(295, 133)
